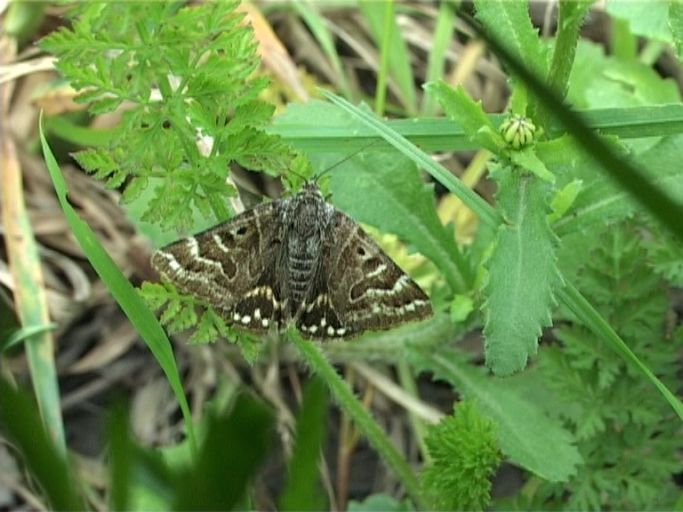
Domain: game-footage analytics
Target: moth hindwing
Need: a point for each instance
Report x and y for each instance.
(299, 260)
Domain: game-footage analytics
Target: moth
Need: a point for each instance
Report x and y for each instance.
(295, 260)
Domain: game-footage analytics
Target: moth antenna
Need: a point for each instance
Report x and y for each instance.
(348, 157)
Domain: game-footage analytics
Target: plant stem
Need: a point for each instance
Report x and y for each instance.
(365, 423)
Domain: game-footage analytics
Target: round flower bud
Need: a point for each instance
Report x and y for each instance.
(518, 131)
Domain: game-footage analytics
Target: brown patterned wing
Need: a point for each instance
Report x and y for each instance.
(231, 266)
(358, 288)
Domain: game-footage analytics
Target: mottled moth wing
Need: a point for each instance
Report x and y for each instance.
(231, 266)
(358, 287)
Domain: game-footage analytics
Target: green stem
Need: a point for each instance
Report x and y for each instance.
(365, 423)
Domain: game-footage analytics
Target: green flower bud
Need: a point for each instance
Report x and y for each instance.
(518, 131)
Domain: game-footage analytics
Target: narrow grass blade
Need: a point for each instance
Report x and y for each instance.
(440, 134)
(445, 23)
(385, 50)
(399, 60)
(303, 485)
(29, 293)
(127, 297)
(25, 333)
(45, 460)
(318, 26)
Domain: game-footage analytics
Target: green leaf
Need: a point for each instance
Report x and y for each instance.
(462, 109)
(380, 503)
(236, 445)
(598, 80)
(303, 487)
(21, 422)
(527, 160)
(647, 19)
(526, 435)
(522, 274)
(564, 199)
(145, 54)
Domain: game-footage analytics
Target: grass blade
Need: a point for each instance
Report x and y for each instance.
(443, 33)
(29, 294)
(45, 459)
(397, 52)
(123, 292)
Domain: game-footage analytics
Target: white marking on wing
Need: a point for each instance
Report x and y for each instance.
(399, 285)
(193, 245)
(381, 268)
(172, 262)
(219, 242)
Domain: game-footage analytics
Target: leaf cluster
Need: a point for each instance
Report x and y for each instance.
(184, 79)
(465, 454)
(180, 312)
(629, 439)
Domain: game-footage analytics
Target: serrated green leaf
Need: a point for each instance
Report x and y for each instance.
(462, 109)
(509, 22)
(526, 159)
(134, 188)
(154, 294)
(522, 274)
(526, 435)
